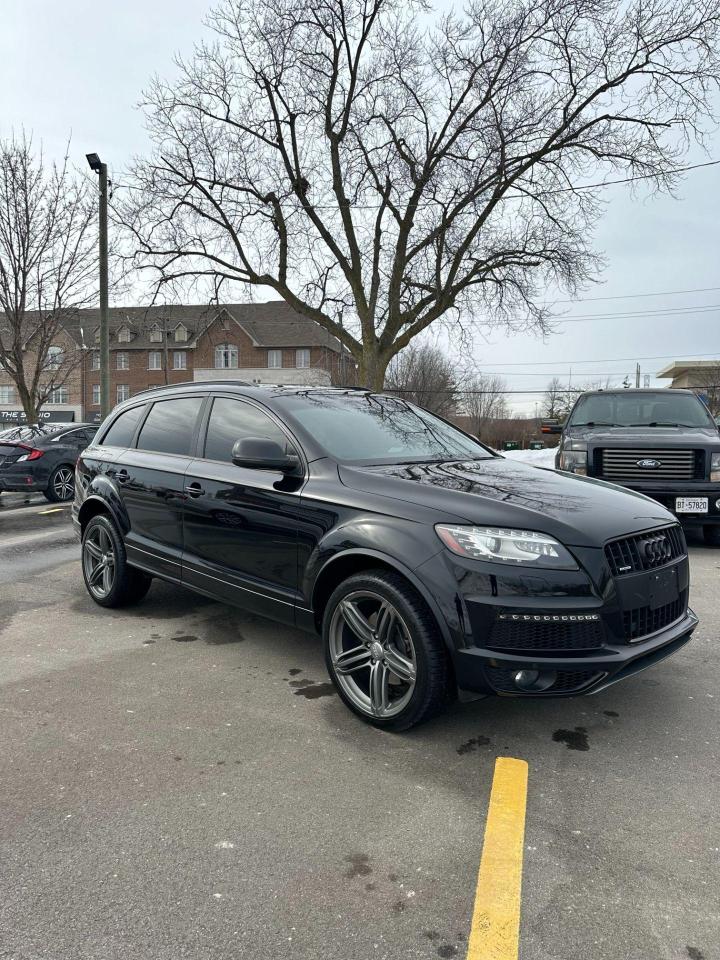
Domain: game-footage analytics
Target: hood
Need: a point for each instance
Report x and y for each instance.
(650, 437)
(578, 511)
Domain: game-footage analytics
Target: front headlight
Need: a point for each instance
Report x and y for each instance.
(506, 546)
(715, 467)
(573, 457)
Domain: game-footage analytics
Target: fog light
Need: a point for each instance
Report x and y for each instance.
(717, 503)
(534, 681)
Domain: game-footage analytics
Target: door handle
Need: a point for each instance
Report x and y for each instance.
(122, 476)
(194, 490)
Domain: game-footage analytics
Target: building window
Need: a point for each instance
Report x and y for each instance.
(122, 361)
(7, 393)
(179, 360)
(181, 333)
(123, 392)
(274, 359)
(123, 335)
(96, 394)
(54, 358)
(94, 360)
(226, 356)
(155, 360)
(58, 395)
(302, 358)
(156, 334)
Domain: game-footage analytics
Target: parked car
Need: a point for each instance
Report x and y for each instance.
(428, 562)
(42, 458)
(663, 443)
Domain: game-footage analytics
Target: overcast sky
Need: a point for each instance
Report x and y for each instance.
(78, 67)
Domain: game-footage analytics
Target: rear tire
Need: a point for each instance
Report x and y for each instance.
(61, 486)
(109, 579)
(712, 535)
(384, 651)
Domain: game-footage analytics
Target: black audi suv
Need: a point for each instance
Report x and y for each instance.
(42, 458)
(430, 564)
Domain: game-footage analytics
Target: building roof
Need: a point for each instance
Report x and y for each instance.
(678, 367)
(273, 324)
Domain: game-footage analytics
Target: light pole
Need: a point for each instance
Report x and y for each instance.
(100, 168)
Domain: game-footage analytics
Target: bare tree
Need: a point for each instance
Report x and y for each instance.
(426, 376)
(48, 269)
(483, 399)
(707, 384)
(380, 174)
(554, 402)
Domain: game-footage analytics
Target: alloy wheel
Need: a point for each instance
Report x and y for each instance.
(372, 654)
(99, 562)
(63, 483)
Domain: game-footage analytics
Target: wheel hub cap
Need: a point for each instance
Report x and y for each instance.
(376, 650)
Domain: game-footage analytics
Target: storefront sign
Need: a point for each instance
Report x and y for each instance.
(45, 416)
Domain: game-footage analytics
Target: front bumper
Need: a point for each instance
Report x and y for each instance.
(490, 671)
(565, 632)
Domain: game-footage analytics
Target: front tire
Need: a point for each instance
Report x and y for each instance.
(61, 486)
(109, 579)
(712, 535)
(384, 652)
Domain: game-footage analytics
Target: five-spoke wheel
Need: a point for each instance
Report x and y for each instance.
(383, 650)
(372, 653)
(61, 486)
(109, 578)
(98, 559)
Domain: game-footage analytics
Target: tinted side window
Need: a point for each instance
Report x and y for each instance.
(230, 421)
(122, 430)
(169, 426)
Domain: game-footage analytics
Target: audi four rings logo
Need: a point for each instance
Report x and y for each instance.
(649, 464)
(657, 549)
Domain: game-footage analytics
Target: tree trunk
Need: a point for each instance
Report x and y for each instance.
(372, 366)
(29, 404)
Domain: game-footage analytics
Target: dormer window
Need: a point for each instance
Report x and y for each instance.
(181, 333)
(123, 335)
(155, 334)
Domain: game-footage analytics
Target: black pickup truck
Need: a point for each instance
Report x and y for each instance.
(663, 443)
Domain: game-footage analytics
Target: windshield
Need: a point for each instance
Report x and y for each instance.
(644, 409)
(363, 428)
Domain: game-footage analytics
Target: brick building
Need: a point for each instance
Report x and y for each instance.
(152, 346)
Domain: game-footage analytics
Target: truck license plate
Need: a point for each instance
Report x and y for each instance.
(691, 505)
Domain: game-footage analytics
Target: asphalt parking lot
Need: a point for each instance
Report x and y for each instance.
(179, 781)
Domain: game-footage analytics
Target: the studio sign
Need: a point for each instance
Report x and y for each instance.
(54, 416)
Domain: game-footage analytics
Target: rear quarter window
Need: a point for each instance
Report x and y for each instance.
(122, 429)
(170, 426)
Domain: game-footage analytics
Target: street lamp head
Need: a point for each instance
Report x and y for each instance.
(94, 161)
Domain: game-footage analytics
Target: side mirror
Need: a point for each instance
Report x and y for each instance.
(261, 453)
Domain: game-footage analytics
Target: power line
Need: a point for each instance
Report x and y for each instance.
(668, 356)
(548, 193)
(619, 315)
(632, 296)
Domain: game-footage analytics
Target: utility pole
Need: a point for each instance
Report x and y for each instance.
(100, 168)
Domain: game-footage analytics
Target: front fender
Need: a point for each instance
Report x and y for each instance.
(365, 538)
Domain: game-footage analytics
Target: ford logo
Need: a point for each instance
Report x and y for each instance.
(649, 464)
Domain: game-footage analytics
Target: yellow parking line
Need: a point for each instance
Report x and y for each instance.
(42, 513)
(495, 930)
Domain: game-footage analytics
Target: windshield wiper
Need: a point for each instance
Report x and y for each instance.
(596, 423)
(662, 423)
